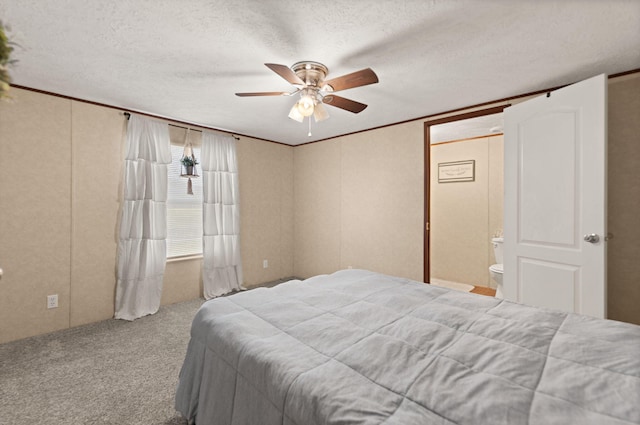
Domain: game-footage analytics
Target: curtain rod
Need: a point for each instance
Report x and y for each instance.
(128, 115)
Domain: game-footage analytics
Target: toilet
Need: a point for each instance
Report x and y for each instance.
(496, 270)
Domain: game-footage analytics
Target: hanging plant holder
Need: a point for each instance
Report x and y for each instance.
(189, 163)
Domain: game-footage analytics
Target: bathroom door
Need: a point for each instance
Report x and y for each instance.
(555, 199)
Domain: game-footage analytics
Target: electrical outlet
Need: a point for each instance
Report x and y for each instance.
(52, 301)
(265, 264)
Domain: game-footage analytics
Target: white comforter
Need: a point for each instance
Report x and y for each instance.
(357, 347)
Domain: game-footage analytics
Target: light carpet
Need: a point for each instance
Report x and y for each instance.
(110, 372)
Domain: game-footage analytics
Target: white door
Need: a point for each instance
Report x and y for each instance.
(555, 199)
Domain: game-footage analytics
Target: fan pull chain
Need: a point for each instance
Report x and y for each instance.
(309, 135)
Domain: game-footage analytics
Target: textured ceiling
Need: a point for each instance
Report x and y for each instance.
(185, 59)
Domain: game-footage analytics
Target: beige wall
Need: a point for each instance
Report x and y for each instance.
(35, 216)
(466, 215)
(316, 188)
(266, 210)
(59, 211)
(97, 149)
(359, 202)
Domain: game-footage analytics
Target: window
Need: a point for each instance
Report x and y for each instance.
(184, 212)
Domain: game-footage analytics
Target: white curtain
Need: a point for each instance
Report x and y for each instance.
(222, 268)
(142, 245)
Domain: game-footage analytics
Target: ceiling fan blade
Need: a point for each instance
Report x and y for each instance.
(355, 79)
(286, 73)
(344, 103)
(265, 93)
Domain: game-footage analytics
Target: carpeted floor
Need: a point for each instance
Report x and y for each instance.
(110, 372)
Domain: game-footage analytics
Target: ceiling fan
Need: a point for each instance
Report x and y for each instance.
(308, 78)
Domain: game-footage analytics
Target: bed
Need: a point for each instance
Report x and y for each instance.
(358, 347)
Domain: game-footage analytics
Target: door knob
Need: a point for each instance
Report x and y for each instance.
(592, 238)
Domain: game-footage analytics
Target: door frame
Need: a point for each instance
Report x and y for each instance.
(427, 174)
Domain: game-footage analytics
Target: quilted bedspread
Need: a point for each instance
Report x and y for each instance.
(357, 347)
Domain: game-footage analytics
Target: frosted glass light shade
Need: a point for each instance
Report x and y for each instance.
(305, 106)
(320, 112)
(295, 114)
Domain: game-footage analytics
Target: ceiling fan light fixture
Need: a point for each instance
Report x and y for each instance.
(295, 114)
(309, 80)
(306, 105)
(320, 113)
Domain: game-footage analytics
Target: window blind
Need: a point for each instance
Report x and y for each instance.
(184, 212)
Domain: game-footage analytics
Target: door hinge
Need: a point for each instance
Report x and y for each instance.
(426, 226)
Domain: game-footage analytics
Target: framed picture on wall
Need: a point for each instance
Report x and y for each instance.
(457, 171)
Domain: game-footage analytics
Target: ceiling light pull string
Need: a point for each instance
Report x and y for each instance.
(309, 135)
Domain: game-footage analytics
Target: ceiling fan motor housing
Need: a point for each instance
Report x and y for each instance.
(312, 73)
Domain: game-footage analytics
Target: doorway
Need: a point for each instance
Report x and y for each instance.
(463, 160)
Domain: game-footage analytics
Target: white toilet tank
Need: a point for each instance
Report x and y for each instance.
(497, 249)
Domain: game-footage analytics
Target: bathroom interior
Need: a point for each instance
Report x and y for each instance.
(466, 213)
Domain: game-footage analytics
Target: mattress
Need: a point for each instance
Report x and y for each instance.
(358, 347)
